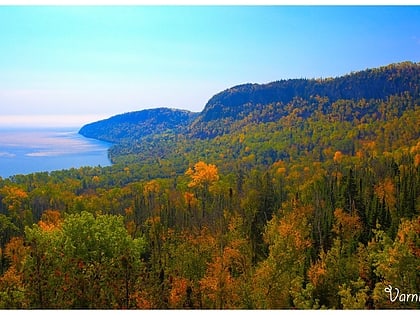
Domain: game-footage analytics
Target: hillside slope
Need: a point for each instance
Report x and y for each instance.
(136, 125)
(353, 96)
(280, 120)
(255, 103)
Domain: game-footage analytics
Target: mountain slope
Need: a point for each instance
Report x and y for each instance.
(139, 124)
(269, 102)
(353, 96)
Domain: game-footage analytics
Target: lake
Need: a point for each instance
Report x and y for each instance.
(24, 151)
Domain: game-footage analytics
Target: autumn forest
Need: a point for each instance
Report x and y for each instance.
(296, 194)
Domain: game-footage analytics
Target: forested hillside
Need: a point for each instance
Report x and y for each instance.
(136, 125)
(269, 102)
(298, 194)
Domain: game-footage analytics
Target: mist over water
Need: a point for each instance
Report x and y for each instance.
(29, 150)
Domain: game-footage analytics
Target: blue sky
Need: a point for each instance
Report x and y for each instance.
(97, 61)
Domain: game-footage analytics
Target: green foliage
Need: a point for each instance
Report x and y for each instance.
(296, 194)
(396, 262)
(355, 295)
(88, 262)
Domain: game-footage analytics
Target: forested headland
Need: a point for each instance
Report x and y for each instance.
(296, 194)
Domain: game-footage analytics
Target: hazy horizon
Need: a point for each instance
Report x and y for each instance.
(64, 65)
(48, 121)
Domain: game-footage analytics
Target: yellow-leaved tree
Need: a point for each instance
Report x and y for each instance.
(203, 177)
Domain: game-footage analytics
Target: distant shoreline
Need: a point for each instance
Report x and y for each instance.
(44, 149)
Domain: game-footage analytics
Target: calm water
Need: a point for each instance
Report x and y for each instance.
(24, 151)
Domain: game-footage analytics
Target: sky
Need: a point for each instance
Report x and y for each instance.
(69, 65)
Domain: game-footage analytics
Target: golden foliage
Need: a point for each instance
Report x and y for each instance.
(16, 251)
(281, 170)
(279, 167)
(178, 292)
(417, 160)
(202, 238)
(151, 187)
(11, 279)
(12, 290)
(152, 221)
(129, 211)
(347, 225)
(292, 230)
(409, 234)
(51, 220)
(190, 199)
(15, 192)
(338, 156)
(218, 285)
(385, 191)
(202, 175)
(13, 197)
(131, 227)
(317, 271)
(415, 148)
(141, 300)
(292, 233)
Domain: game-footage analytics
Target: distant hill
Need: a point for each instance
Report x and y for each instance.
(269, 102)
(139, 124)
(363, 96)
